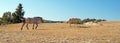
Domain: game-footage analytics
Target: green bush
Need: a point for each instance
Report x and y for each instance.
(6, 18)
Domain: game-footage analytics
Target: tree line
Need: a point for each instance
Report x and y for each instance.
(15, 17)
(92, 20)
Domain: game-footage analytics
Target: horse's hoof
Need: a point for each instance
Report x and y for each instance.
(21, 29)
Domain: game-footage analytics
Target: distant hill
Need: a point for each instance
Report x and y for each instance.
(51, 21)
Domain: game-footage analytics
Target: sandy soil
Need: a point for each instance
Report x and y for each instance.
(108, 32)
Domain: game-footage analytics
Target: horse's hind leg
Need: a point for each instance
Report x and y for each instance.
(33, 26)
(22, 26)
(36, 26)
(27, 26)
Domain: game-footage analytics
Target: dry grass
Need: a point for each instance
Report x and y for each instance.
(109, 32)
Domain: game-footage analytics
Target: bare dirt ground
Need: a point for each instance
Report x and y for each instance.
(109, 32)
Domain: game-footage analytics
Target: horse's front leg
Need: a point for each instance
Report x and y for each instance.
(22, 26)
(36, 26)
(27, 26)
(33, 26)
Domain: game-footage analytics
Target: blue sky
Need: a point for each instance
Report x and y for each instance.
(65, 9)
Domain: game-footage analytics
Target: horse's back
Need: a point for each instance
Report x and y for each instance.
(34, 20)
(29, 20)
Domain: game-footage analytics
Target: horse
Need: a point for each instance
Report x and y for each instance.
(34, 20)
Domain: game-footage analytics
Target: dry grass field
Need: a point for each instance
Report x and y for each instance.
(109, 32)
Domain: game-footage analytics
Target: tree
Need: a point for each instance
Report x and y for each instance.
(18, 14)
(6, 18)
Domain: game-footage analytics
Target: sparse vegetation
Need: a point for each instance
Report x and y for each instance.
(61, 33)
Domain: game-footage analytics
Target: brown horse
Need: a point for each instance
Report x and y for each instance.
(35, 20)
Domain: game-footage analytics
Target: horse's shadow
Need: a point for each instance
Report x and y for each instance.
(42, 29)
(83, 26)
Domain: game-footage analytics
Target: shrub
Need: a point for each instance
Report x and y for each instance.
(92, 20)
(74, 21)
